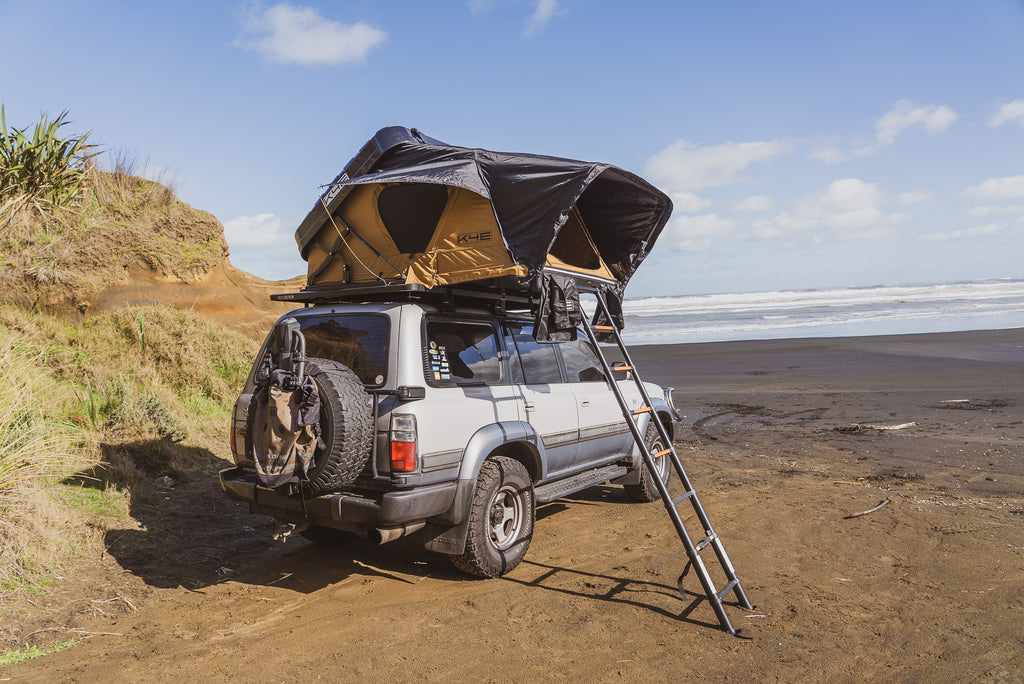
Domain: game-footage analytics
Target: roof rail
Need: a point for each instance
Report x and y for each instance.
(503, 294)
(499, 297)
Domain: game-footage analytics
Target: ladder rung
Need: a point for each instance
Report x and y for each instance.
(645, 409)
(621, 369)
(727, 588)
(684, 497)
(705, 542)
(604, 328)
(662, 453)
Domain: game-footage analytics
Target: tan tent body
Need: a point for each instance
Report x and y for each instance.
(410, 209)
(465, 245)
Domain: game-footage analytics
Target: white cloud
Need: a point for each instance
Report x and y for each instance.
(830, 155)
(685, 167)
(986, 210)
(976, 231)
(848, 208)
(1009, 113)
(543, 13)
(689, 202)
(697, 233)
(905, 114)
(301, 35)
(1008, 187)
(259, 245)
(755, 204)
(262, 230)
(916, 197)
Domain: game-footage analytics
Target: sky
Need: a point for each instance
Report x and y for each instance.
(805, 145)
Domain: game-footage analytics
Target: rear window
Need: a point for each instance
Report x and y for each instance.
(461, 353)
(359, 341)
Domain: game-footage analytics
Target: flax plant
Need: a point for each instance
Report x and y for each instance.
(45, 171)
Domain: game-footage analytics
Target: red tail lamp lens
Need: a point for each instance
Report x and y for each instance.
(403, 456)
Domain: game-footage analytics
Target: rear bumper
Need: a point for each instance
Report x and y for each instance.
(383, 510)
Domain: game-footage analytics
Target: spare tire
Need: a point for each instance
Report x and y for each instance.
(346, 427)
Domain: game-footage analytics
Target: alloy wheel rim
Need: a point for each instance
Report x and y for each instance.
(506, 517)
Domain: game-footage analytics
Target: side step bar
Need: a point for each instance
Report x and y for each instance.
(556, 490)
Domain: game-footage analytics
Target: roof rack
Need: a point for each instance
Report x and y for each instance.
(506, 293)
(498, 296)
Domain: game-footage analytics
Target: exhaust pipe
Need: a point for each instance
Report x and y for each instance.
(383, 535)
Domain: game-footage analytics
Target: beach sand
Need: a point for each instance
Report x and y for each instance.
(782, 441)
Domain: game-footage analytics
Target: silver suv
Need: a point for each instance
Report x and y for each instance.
(441, 415)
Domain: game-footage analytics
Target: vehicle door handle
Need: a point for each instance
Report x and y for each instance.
(585, 402)
(529, 407)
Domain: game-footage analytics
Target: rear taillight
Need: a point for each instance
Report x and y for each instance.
(233, 450)
(403, 443)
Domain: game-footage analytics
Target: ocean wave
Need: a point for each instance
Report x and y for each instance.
(836, 312)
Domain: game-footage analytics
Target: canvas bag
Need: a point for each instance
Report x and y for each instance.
(559, 312)
(284, 435)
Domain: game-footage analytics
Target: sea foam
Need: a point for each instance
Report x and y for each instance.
(882, 310)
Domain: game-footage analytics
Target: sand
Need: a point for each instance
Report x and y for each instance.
(782, 440)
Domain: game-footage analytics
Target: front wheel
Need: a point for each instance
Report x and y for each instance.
(500, 519)
(647, 490)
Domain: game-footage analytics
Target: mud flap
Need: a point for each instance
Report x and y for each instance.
(447, 540)
(441, 534)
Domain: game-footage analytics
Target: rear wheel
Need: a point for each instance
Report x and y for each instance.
(647, 490)
(500, 519)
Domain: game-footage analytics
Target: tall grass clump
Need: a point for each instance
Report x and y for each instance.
(125, 185)
(36, 447)
(44, 171)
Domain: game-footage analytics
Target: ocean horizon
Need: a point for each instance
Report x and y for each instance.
(836, 312)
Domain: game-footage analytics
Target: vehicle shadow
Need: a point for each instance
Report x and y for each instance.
(184, 532)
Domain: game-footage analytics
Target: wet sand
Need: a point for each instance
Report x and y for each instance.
(782, 440)
(964, 391)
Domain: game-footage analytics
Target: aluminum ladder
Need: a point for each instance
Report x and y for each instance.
(710, 538)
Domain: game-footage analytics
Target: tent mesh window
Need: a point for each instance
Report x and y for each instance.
(574, 246)
(410, 212)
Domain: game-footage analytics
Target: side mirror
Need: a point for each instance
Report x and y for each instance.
(621, 367)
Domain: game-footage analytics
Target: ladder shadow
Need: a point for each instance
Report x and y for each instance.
(621, 586)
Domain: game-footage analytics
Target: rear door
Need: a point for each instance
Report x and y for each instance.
(549, 403)
(604, 434)
(467, 389)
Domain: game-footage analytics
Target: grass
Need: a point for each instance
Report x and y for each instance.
(92, 410)
(74, 219)
(37, 445)
(29, 652)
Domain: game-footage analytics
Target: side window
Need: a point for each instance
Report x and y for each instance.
(515, 366)
(581, 362)
(539, 364)
(461, 353)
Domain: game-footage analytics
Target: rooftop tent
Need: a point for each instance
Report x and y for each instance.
(412, 209)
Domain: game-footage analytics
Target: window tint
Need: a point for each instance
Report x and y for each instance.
(461, 353)
(357, 341)
(581, 362)
(539, 365)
